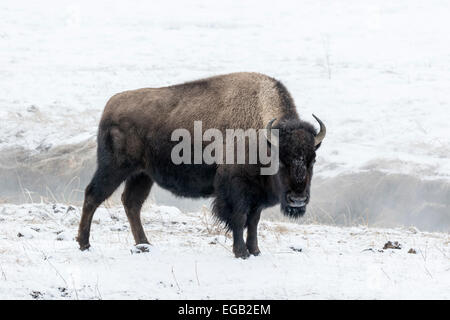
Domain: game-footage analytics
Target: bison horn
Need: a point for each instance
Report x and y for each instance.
(321, 135)
(268, 132)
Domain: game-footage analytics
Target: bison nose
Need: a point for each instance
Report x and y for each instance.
(296, 200)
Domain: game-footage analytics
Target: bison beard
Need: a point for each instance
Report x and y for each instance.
(134, 145)
(294, 212)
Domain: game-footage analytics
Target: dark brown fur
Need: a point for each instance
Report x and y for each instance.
(134, 145)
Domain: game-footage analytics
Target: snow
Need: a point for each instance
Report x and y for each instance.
(377, 73)
(190, 258)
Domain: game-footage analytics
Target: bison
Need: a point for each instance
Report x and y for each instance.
(134, 145)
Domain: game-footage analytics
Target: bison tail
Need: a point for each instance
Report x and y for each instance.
(119, 148)
(110, 145)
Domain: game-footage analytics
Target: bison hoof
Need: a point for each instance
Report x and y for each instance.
(83, 242)
(84, 247)
(243, 254)
(255, 252)
(140, 248)
(253, 248)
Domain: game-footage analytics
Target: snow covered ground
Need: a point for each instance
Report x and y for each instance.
(190, 258)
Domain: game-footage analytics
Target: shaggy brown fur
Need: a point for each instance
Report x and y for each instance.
(134, 145)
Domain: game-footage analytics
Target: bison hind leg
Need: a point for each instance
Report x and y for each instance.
(137, 189)
(104, 182)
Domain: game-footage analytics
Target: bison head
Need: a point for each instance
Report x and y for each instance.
(297, 143)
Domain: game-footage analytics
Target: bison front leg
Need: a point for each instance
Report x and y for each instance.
(232, 207)
(239, 247)
(235, 220)
(252, 232)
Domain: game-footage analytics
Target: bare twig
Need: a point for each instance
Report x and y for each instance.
(175, 278)
(98, 290)
(441, 251)
(386, 274)
(428, 272)
(57, 272)
(196, 273)
(75, 288)
(326, 48)
(3, 273)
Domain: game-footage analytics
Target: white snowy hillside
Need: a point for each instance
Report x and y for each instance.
(376, 73)
(190, 258)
